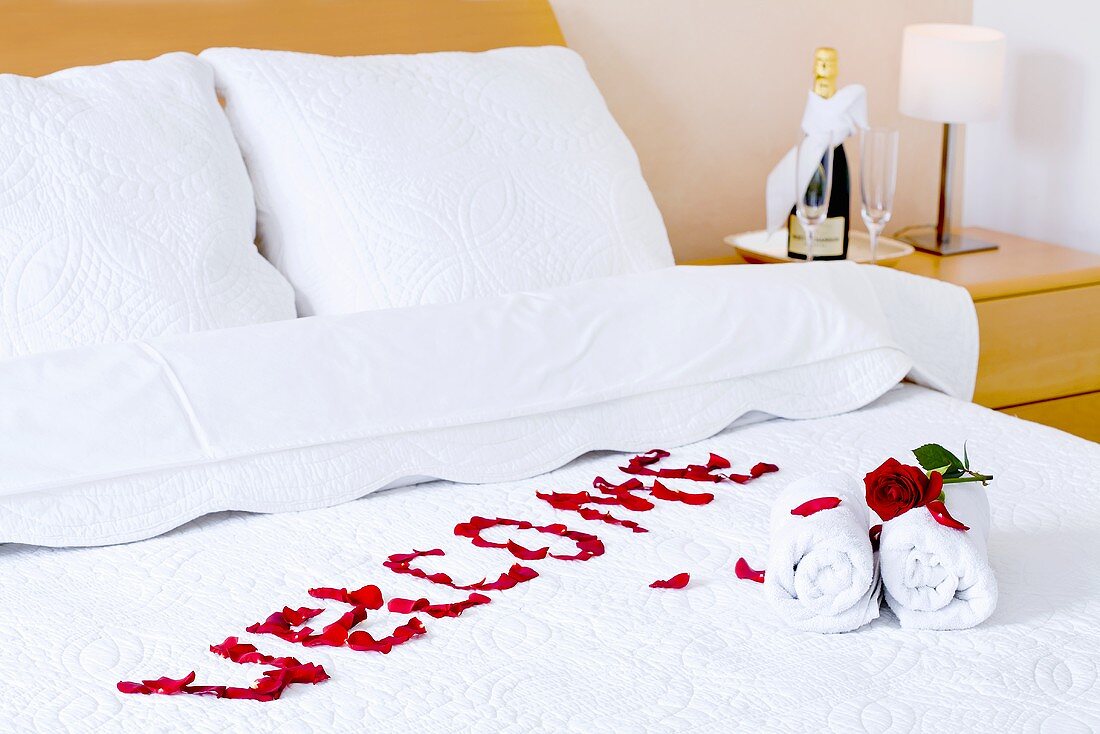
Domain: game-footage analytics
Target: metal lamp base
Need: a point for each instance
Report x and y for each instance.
(953, 244)
(940, 240)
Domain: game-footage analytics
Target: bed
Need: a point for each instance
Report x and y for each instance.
(585, 647)
(163, 494)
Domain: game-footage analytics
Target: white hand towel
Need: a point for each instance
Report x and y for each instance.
(937, 577)
(821, 574)
(828, 122)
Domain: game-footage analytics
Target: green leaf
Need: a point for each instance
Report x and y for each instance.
(966, 459)
(933, 457)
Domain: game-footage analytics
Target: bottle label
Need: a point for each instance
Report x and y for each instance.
(829, 240)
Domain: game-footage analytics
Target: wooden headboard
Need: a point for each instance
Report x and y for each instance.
(41, 36)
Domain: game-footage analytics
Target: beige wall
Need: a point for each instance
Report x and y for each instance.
(711, 93)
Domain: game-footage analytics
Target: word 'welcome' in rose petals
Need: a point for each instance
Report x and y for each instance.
(588, 545)
(369, 596)
(288, 623)
(745, 572)
(818, 504)
(678, 581)
(939, 513)
(662, 492)
(362, 641)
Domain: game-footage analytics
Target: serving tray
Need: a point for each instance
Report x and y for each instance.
(758, 247)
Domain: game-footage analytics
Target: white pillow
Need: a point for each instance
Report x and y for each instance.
(125, 209)
(387, 181)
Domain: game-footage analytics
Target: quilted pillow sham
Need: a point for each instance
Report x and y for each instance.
(385, 181)
(125, 209)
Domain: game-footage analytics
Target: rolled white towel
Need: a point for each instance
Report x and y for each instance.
(937, 577)
(822, 575)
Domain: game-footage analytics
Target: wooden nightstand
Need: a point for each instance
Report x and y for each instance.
(1039, 315)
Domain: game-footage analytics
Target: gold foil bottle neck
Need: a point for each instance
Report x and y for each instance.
(825, 72)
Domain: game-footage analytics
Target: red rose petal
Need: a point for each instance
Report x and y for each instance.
(273, 683)
(745, 572)
(454, 609)
(243, 652)
(718, 462)
(369, 596)
(875, 533)
(816, 505)
(524, 554)
(522, 573)
(163, 686)
(406, 557)
(642, 465)
(678, 581)
(295, 617)
(763, 468)
(630, 485)
(939, 512)
(287, 671)
(577, 501)
(588, 545)
(362, 641)
(517, 574)
(662, 492)
(281, 623)
(406, 606)
(336, 634)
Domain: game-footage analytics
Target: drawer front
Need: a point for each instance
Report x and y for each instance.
(1079, 414)
(1039, 346)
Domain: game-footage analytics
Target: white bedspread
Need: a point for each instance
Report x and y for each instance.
(124, 441)
(587, 646)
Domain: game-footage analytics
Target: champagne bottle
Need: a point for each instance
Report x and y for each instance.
(831, 240)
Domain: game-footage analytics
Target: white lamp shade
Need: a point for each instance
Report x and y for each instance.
(951, 73)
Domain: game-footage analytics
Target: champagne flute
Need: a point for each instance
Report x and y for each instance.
(878, 172)
(814, 183)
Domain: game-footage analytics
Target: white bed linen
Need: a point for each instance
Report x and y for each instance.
(127, 212)
(121, 442)
(586, 647)
(396, 180)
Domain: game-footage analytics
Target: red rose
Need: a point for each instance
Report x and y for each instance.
(895, 488)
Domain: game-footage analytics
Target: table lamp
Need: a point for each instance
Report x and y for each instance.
(951, 74)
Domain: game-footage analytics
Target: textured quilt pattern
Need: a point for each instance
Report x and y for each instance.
(586, 646)
(125, 210)
(389, 181)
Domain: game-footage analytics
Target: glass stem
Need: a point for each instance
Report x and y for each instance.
(874, 244)
(809, 242)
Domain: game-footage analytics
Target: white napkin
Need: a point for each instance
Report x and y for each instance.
(937, 577)
(821, 574)
(828, 122)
